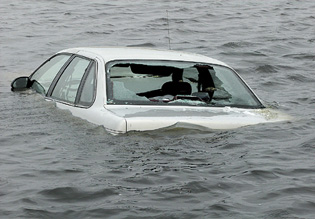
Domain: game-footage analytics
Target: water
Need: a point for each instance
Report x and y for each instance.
(53, 165)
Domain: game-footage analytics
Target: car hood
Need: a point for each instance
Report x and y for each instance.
(140, 118)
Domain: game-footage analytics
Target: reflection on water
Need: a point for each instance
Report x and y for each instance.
(55, 165)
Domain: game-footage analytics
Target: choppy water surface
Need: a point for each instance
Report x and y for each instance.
(53, 165)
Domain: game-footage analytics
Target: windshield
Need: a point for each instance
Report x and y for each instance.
(176, 83)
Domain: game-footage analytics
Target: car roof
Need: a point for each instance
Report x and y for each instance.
(137, 53)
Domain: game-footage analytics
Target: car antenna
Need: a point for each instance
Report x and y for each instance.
(168, 31)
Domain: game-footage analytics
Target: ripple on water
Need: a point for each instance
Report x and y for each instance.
(70, 193)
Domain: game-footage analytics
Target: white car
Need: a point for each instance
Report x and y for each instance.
(136, 89)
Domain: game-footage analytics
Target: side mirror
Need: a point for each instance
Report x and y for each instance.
(20, 83)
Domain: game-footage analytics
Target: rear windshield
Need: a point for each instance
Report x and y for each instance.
(176, 83)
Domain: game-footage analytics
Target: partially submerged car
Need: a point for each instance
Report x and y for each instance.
(136, 89)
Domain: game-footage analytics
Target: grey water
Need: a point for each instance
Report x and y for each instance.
(53, 165)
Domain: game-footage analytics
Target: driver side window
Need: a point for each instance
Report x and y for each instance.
(46, 73)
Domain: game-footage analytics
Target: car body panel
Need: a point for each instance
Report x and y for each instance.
(152, 117)
(99, 116)
(133, 53)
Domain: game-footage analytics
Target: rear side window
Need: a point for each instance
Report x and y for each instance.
(46, 73)
(68, 83)
(88, 90)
